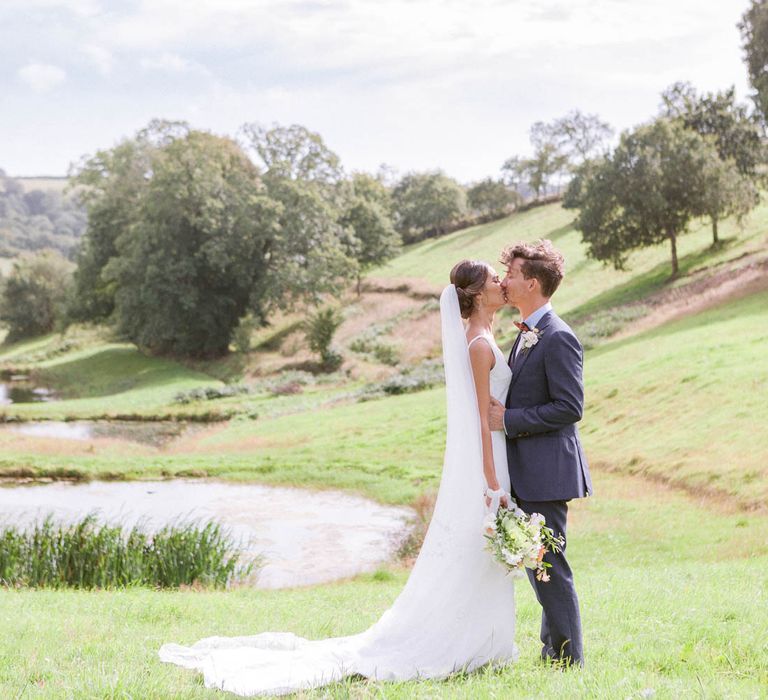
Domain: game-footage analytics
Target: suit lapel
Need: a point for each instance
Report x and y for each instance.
(522, 358)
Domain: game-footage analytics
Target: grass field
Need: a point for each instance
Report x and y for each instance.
(673, 595)
(673, 581)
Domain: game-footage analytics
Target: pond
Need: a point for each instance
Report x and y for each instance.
(305, 537)
(154, 433)
(18, 389)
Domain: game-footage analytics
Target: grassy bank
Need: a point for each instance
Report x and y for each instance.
(681, 403)
(651, 565)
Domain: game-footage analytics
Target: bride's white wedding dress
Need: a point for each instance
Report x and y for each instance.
(457, 610)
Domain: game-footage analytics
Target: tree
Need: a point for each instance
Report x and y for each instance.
(315, 247)
(34, 295)
(427, 203)
(186, 237)
(736, 135)
(186, 265)
(114, 184)
(754, 33)
(579, 137)
(293, 153)
(729, 193)
(369, 216)
(646, 192)
(492, 197)
(536, 172)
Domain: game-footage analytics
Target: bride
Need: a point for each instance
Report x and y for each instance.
(457, 610)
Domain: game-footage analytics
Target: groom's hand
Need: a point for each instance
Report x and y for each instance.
(496, 415)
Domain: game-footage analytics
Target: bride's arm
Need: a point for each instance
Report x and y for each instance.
(482, 359)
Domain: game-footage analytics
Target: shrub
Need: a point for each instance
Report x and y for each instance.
(319, 329)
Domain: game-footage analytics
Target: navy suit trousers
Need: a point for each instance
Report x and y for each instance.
(560, 618)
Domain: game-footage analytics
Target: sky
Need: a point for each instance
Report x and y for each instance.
(415, 84)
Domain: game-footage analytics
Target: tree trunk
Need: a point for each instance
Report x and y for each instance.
(715, 239)
(359, 282)
(673, 242)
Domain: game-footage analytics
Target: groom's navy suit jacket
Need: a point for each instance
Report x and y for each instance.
(544, 403)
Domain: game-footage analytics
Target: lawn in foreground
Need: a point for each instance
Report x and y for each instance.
(673, 593)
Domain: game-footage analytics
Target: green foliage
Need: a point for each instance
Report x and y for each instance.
(732, 183)
(580, 137)
(186, 237)
(114, 183)
(426, 203)
(34, 297)
(188, 266)
(646, 192)
(293, 153)
(538, 171)
(492, 198)
(314, 250)
(320, 327)
(88, 555)
(754, 34)
(368, 214)
(37, 219)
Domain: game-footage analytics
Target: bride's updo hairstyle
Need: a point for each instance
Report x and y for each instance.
(469, 277)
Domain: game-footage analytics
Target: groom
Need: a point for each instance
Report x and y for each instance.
(547, 466)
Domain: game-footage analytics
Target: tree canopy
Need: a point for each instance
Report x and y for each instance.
(736, 134)
(754, 34)
(33, 297)
(646, 192)
(186, 237)
(426, 203)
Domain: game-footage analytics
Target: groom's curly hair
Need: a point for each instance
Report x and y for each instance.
(542, 261)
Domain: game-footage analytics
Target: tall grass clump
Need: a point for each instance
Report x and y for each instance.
(87, 554)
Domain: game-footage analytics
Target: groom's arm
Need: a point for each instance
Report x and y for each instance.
(563, 365)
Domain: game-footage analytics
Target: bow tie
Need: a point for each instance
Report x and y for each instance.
(522, 326)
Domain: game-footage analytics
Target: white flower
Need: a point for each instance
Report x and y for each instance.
(529, 339)
(489, 523)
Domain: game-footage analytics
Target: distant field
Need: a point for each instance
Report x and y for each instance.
(43, 183)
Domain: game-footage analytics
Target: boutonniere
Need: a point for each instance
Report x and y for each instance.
(528, 339)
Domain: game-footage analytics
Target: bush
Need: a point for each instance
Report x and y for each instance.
(34, 297)
(319, 328)
(423, 376)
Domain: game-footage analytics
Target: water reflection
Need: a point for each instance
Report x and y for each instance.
(20, 390)
(154, 433)
(306, 537)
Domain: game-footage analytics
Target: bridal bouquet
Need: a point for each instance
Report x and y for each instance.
(517, 540)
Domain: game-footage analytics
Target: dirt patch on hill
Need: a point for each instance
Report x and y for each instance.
(706, 290)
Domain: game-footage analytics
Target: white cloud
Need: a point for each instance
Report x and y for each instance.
(171, 63)
(82, 8)
(99, 57)
(42, 77)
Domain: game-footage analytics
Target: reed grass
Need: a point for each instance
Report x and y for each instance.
(89, 554)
